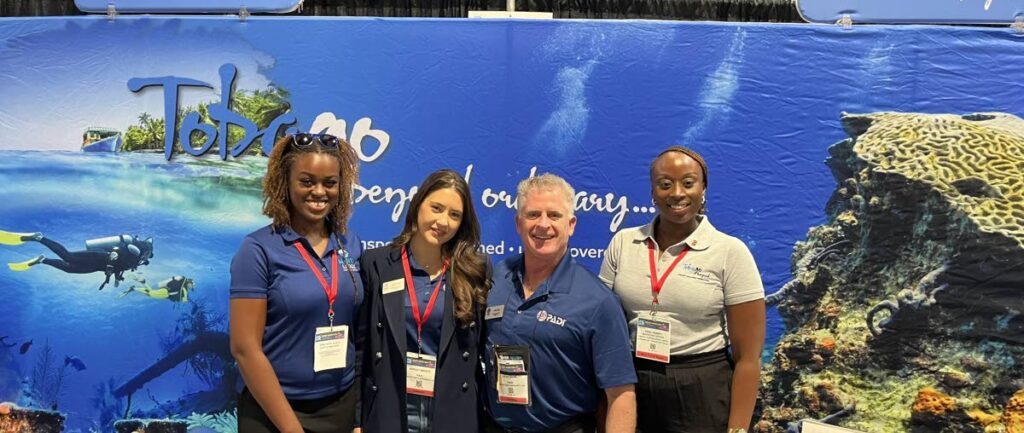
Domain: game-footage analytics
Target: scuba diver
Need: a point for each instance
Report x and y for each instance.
(112, 255)
(174, 289)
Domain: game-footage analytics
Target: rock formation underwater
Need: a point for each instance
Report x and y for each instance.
(904, 313)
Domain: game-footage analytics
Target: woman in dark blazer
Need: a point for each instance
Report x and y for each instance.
(419, 337)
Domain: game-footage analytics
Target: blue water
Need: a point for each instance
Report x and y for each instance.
(72, 197)
(197, 219)
(594, 101)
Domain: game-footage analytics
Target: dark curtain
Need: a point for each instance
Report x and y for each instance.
(710, 10)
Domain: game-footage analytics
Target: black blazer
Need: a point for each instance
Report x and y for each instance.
(381, 348)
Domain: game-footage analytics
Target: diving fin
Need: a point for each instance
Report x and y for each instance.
(23, 266)
(11, 238)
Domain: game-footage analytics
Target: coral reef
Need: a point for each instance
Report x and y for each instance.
(224, 422)
(22, 420)
(151, 426)
(1013, 416)
(973, 161)
(906, 305)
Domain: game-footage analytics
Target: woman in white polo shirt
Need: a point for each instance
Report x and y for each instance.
(695, 304)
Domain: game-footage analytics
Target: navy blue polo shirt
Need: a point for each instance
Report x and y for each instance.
(579, 343)
(267, 266)
(424, 287)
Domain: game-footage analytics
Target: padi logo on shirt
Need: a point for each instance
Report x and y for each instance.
(544, 316)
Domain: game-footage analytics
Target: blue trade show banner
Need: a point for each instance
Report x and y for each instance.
(189, 6)
(918, 11)
(876, 175)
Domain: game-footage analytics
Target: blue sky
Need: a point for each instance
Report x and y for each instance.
(65, 76)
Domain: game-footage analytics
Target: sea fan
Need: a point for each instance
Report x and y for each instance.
(47, 382)
(224, 422)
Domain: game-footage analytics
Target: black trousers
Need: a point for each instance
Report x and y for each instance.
(75, 262)
(690, 395)
(333, 414)
(581, 424)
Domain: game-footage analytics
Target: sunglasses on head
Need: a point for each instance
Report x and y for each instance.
(303, 140)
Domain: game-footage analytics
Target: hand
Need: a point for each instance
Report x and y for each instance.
(294, 428)
(357, 430)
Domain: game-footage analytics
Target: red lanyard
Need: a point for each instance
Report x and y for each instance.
(656, 281)
(420, 319)
(332, 290)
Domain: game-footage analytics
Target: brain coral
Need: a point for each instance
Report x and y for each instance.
(977, 160)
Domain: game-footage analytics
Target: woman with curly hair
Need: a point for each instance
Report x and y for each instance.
(425, 297)
(295, 293)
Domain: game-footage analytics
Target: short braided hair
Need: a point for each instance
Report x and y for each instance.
(688, 152)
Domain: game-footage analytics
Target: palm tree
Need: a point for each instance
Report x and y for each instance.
(153, 129)
(274, 104)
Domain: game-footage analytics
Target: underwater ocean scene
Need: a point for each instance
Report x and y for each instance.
(874, 174)
(69, 345)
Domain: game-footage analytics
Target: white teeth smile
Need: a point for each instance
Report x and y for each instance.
(317, 204)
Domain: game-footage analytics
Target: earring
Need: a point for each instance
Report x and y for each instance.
(653, 203)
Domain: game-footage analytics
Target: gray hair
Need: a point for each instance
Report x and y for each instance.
(546, 181)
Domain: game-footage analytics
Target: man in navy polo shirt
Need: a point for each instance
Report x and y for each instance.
(556, 336)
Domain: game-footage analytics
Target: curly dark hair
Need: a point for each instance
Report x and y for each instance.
(470, 281)
(275, 184)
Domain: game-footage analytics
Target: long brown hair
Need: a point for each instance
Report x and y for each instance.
(470, 282)
(275, 184)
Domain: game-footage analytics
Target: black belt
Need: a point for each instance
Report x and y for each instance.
(586, 423)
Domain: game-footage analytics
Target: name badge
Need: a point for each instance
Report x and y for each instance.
(330, 348)
(513, 371)
(653, 338)
(494, 312)
(392, 286)
(419, 374)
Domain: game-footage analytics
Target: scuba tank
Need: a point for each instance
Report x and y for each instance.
(177, 288)
(108, 243)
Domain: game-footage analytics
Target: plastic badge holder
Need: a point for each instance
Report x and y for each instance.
(812, 426)
(911, 11)
(188, 6)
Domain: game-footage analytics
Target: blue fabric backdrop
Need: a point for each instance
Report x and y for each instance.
(591, 101)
